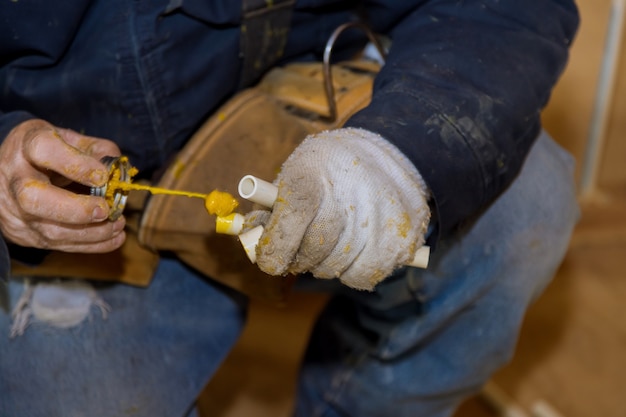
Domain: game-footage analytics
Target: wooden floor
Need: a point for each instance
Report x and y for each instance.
(571, 354)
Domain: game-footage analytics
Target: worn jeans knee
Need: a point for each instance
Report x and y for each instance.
(151, 356)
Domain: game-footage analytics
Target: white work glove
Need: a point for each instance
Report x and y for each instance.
(350, 206)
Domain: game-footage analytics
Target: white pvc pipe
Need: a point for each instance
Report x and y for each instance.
(262, 192)
(249, 240)
(420, 260)
(604, 97)
(258, 191)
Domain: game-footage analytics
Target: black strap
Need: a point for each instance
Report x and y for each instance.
(264, 30)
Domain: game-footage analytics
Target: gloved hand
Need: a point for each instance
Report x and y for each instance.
(350, 206)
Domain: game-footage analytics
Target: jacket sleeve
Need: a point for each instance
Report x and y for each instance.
(462, 91)
(9, 120)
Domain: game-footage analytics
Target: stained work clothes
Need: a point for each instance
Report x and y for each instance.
(460, 95)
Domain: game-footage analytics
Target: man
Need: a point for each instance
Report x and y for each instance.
(450, 150)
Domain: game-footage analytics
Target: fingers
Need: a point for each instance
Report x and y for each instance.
(94, 147)
(280, 240)
(36, 160)
(98, 247)
(283, 233)
(67, 154)
(290, 242)
(97, 238)
(256, 218)
(53, 218)
(39, 199)
(322, 243)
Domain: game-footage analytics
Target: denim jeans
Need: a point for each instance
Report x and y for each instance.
(427, 339)
(151, 357)
(417, 346)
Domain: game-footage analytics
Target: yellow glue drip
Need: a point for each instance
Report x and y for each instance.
(216, 202)
(220, 203)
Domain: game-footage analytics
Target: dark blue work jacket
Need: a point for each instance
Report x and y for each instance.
(460, 94)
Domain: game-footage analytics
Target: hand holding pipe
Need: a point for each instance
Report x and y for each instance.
(264, 193)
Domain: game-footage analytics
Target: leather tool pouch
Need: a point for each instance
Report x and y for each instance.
(253, 133)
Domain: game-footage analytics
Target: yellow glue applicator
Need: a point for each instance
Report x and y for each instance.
(264, 193)
(115, 191)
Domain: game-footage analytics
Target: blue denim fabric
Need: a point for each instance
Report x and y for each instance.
(151, 357)
(427, 339)
(417, 346)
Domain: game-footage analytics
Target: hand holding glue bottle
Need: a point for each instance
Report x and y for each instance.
(346, 204)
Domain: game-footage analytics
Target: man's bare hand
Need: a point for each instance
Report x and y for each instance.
(36, 161)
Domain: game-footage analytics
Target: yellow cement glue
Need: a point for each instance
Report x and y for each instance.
(216, 202)
(219, 203)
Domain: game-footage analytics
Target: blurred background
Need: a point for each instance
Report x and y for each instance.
(571, 356)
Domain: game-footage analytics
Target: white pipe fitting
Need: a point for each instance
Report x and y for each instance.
(229, 225)
(258, 191)
(420, 260)
(249, 240)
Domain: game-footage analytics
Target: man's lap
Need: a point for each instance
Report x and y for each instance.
(420, 343)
